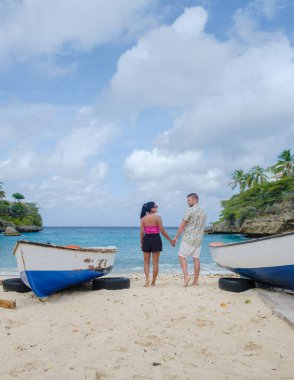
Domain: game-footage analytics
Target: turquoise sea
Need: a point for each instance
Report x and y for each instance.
(129, 258)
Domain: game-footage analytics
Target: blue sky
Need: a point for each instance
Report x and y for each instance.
(105, 105)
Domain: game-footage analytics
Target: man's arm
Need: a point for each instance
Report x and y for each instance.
(180, 230)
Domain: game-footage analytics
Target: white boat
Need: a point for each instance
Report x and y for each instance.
(268, 260)
(48, 268)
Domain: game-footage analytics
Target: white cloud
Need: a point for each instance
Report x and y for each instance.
(232, 100)
(57, 157)
(22, 163)
(144, 165)
(72, 152)
(163, 170)
(20, 122)
(167, 69)
(191, 22)
(167, 178)
(34, 27)
(98, 172)
(58, 191)
(225, 93)
(267, 8)
(40, 140)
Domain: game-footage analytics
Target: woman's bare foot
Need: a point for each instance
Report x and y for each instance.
(194, 283)
(147, 283)
(186, 281)
(153, 283)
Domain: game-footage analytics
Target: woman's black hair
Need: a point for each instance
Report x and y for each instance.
(146, 208)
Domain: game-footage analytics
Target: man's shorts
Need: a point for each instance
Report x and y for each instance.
(188, 250)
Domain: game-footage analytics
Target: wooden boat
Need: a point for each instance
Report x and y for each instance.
(48, 268)
(268, 260)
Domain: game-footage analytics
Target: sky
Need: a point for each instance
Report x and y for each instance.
(108, 104)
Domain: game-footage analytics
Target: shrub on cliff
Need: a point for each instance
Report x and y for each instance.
(258, 200)
(4, 207)
(20, 213)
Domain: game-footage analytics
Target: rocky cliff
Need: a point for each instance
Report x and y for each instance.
(21, 216)
(276, 219)
(28, 228)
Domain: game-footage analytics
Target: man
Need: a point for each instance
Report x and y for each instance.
(193, 225)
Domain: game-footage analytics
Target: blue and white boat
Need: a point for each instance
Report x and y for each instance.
(268, 260)
(48, 268)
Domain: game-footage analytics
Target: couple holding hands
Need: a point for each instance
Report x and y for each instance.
(193, 226)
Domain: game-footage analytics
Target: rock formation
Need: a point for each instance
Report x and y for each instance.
(9, 231)
(4, 225)
(278, 219)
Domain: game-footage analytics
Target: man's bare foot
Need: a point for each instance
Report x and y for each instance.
(186, 281)
(147, 283)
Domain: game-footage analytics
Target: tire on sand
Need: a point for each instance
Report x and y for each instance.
(111, 283)
(15, 285)
(237, 285)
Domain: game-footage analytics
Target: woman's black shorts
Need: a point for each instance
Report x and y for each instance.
(152, 243)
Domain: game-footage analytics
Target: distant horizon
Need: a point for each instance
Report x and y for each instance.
(107, 226)
(101, 227)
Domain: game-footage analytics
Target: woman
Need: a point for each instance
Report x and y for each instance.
(151, 226)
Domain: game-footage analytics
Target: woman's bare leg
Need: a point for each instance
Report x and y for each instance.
(147, 267)
(155, 262)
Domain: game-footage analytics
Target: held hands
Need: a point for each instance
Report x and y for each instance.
(174, 241)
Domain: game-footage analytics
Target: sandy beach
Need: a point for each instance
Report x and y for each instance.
(162, 332)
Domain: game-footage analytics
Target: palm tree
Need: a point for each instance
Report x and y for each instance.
(238, 179)
(248, 180)
(285, 166)
(257, 176)
(2, 192)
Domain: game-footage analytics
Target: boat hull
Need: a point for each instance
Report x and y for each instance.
(279, 276)
(269, 261)
(47, 268)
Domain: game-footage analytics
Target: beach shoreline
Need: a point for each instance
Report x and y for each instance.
(13, 272)
(161, 332)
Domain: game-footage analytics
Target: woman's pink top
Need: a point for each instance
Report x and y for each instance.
(151, 230)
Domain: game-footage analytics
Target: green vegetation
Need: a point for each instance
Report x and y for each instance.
(258, 200)
(262, 191)
(18, 196)
(19, 213)
(285, 166)
(2, 192)
(258, 175)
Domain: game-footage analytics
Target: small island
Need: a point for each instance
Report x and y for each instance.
(18, 215)
(265, 202)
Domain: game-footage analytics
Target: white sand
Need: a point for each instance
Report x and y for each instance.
(162, 332)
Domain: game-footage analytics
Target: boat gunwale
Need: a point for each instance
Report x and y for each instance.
(251, 240)
(81, 249)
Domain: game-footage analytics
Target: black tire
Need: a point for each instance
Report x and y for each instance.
(15, 285)
(111, 283)
(237, 285)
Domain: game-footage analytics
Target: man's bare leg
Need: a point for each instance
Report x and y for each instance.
(184, 266)
(155, 262)
(196, 271)
(147, 267)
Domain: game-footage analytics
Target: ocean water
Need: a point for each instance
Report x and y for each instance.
(129, 258)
